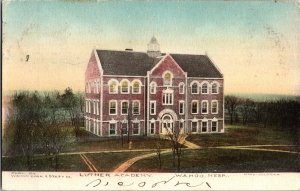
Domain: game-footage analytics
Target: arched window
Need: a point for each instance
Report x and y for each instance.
(136, 87)
(181, 88)
(124, 86)
(214, 88)
(167, 79)
(113, 86)
(204, 88)
(195, 88)
(153, 88)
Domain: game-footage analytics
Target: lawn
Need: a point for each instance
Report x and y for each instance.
(240, 135)
(104, 162)
(96, 144)
(223, 161)
(66, 163)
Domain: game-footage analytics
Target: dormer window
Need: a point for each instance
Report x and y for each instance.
(167, 79)
(214, 88)
(194, 88)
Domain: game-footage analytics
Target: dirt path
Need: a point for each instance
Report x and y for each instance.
(256, 148)
(88, 163)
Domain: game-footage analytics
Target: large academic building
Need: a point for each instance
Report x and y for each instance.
(151, 93)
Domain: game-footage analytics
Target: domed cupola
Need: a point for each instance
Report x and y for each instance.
(153, 48)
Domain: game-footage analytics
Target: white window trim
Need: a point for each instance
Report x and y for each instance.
(132, 88)
(216, 125)
(197, 106)
(122, 107)
(171, 80)
(97, 107)
(211, 107)
(115, 129)
(205, 82)
(197, 127)
(207, 108)
(183, 88)
(133, 107)
(206, 121)
(218, 87)
(166, 92)
(152, 102)
(192, 83)
(94, 107)
(155, 86)
(90, 106)
(117, 85)
(86, 106)
(116, 107)
(181, 101)
(139, 125)
(153, 129)
(128, 87)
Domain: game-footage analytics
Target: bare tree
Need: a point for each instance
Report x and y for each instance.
(175, 136)
(231, 103)
(247, 109)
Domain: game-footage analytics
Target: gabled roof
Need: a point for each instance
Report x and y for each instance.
(138, 63)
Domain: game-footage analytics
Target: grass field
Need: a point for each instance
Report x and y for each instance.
(239, 135)
(104, 162)
(223, 161)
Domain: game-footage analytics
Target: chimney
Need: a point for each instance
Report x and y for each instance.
(128, 49)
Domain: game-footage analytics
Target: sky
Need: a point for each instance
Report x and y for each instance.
(47, 44)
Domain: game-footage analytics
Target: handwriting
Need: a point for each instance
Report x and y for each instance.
(169, 182)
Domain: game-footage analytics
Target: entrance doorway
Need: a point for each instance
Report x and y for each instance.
(167, 124)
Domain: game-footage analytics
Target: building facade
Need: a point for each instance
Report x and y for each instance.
(152, 93)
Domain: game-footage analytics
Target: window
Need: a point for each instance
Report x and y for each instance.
(86, 124)
(113, 107)
(152, 107)
(94, 106)
(194, 107)
(181, 88)
(181, 125)
(167, 79)
(124, 87)
(214, 88)
(124, 128)
(136, 87)
(204, 126)
(195, 88)
(95, 87)
(136, 128)
(204, 107)
(112, 129)
(113, 87)
(194, 126)
(168, 97)
(153, 88)
(181, 107)
(87, 106)
(214, 107)
(90, 109)
(97, 107)
(205, 88)
(136, 108)
(152, 127)
(214, 126)
(124, 110)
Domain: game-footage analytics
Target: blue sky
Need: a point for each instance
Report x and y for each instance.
(258, 38)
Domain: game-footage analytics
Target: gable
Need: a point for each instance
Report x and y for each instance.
(93, 68)
(167, 64)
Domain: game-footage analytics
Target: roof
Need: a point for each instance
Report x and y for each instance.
(138, 63)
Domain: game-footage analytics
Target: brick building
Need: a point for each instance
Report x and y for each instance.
(146, 93)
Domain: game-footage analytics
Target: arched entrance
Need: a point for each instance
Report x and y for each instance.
(167, 118)
(167, 124)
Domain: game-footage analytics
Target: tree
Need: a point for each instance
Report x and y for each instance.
(247, 109)
(176, 138)
(231, 103)
(71, 104)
